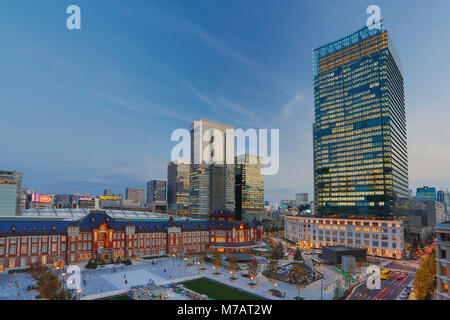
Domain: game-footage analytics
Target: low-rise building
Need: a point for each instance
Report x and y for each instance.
(384, 238)
(27, 240)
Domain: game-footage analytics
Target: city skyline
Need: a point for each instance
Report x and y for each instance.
(155, 91)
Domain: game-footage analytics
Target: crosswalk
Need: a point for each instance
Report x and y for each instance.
(400, 268)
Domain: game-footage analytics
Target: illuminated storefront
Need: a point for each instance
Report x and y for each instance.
(379, 237)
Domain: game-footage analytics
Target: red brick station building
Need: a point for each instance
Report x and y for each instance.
(27, 240)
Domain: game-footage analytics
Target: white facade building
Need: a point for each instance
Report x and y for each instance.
(380, 237)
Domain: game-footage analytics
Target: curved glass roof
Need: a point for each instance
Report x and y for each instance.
(76, 213)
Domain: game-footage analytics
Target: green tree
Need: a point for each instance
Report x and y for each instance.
(277, 251)
(298, 255)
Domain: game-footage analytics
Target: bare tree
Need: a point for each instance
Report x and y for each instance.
(299, 277)
(217, 260)
(233, 262)
(253, 268)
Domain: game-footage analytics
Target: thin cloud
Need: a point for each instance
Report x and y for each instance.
(150, 108)
(242, 110)
(186, 83)
(286, 110)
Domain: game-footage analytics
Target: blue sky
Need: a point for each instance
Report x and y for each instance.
(83, 110)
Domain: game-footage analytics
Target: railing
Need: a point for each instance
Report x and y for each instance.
(105, 294)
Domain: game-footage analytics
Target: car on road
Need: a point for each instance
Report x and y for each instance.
(400, 275)
(404, 295)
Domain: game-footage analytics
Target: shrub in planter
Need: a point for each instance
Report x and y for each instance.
(92, 264)
(127, 262)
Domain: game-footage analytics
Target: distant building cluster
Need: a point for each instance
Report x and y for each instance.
(191, 189)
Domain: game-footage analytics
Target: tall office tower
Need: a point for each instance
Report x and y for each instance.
(178, 187)
(426, 193)
(10, 189)
(360, 150)
(107, 193)
(135, 195)
(301, 199)
(156, 191)
(212, 168)
(249, 188)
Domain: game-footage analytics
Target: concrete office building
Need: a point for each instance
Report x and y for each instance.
(10, 189)
(301, 199)
(135, 195)
(443, 260)
(420, 217)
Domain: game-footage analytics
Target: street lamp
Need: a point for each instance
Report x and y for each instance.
(79, 293)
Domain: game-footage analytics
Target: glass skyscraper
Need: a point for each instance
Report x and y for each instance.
(249, 188)
(156, 191)
(360, 150)
(178, 187)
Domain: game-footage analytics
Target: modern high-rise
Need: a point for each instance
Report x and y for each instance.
(178, 187)
(212, 168)
(426, 193)
(135, 195)
(360, 149)
(444, 197)
(249, 194)
(10, 188)
(156, 191)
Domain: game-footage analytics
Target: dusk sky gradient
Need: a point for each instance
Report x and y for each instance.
(83, 110)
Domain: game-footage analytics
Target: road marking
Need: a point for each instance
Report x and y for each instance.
(379, 294)
(384, 295)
